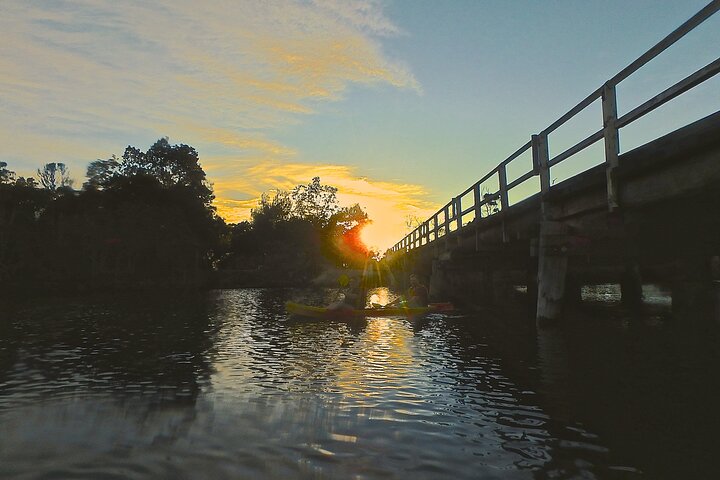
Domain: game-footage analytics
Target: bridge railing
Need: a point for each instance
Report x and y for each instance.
(450, 217)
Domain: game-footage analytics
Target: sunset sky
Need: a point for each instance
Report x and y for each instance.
(401, 104)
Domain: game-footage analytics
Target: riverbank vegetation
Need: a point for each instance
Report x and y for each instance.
(147, 219)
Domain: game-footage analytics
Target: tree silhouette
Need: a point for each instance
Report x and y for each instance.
(342, 237)
(146, 220)
(6, 176)
(171, 165)
(292, 237)
(272, 209)
(315, 202)
(53, 176)
(29, 182)
(491, 205)
(412, 221)
(100, 173)
(21, 203)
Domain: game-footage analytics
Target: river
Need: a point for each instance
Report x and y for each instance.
(224, 384)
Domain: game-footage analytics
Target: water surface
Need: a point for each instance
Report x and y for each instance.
(225, 384)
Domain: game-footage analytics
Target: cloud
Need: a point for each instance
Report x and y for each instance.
(82, 79)
(367, 15)
(99, 69)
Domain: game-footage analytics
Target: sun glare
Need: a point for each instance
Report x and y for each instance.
(373, 236)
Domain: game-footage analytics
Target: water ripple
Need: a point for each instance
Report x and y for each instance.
(226, 385)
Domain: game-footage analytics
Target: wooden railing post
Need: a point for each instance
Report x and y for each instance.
(612, 143)
(458, 213)
(478, 199)
(504, 204)
(446, 224)
(553, 234)
(541, 156)
(502, 180)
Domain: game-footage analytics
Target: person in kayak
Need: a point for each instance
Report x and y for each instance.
(355, 297)
(416, 295)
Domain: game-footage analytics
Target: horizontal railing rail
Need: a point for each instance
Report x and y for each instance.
(485, 203)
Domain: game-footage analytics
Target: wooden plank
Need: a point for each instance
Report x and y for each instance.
(458, 213)
(502, 180)
(612, 144)
(540, 161)
(477, 200)
(611, 124)
(447, 224)
(709, 10)
(701, 172)
(668, 94)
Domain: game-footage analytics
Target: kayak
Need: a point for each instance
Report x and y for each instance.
(324, 312)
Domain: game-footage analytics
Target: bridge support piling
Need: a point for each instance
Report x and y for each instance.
(691, 290)
(532, 277)
(631, 285)
(715, 269)
(552, 271)
(716, 300)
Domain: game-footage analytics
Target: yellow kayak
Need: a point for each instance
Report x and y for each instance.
(324, 312)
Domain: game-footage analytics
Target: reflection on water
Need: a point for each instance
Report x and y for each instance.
(610, 293)
(226, 385)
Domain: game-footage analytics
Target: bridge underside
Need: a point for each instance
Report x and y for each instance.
(666, 230)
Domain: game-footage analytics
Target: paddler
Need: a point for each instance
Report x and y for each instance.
(416, 295)
(355, 295)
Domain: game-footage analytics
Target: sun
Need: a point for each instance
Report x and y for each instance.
(372, 237)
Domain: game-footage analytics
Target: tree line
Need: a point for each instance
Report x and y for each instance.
(146, 219)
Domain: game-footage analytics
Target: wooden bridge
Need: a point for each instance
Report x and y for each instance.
(647, 215)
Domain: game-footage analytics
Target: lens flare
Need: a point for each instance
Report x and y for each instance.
(369, 237)
(353, 239)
